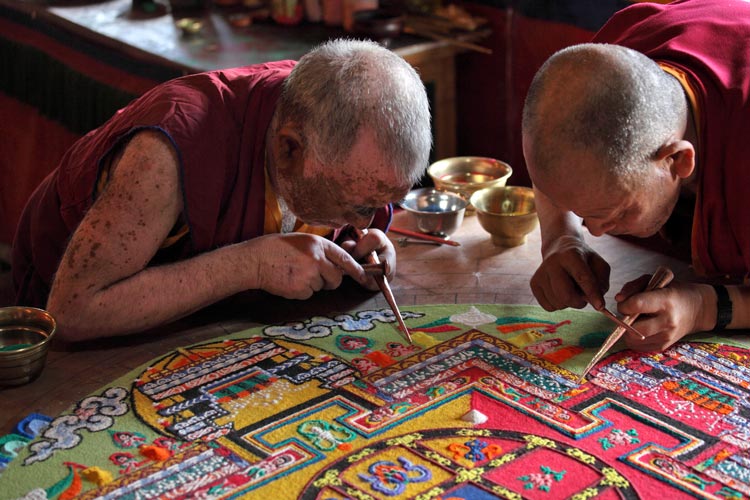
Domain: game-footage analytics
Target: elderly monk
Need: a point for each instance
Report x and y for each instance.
(222, 182)
(624, 134)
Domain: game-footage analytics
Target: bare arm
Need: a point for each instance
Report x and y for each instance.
(571, 273)
(103, 286)
(555, 224)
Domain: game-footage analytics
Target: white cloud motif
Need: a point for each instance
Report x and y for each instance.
(35, 494)
(473, 318)
(93, 413)
(322, 326)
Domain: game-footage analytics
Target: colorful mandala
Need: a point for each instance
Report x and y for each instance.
(487, 404)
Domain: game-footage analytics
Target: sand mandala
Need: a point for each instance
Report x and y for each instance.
(486, 404)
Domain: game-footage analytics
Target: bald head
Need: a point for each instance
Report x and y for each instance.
(605, 101)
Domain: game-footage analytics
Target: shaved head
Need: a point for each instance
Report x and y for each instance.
(603, 101)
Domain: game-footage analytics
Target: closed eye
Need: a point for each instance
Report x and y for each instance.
(365, 211)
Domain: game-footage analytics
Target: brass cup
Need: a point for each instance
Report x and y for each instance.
(467, 174)
(25, 333)
(508, 213)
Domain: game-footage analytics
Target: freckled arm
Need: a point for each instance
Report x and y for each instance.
(103, 286)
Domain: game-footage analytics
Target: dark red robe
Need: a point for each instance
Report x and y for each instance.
(217, 122)
(709, 40)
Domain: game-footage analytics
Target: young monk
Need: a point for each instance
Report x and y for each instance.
(625, 134)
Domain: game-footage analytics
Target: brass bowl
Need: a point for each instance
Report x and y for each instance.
(508, 213)
(25, 333)
(468, 174)
(435, 212)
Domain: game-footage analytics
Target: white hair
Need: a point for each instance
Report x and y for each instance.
(343, 85)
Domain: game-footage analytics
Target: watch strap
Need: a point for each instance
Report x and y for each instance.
(723, 308)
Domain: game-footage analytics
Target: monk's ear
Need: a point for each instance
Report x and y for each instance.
(679, 156)
(289, 145)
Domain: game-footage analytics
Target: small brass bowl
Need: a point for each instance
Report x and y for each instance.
(468, 174)
(436, 212)
(508, 213)
(25, 333)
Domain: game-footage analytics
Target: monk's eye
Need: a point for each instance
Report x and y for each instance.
(365, 211)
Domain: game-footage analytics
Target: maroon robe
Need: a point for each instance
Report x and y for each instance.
(217, 122)
(709, 40)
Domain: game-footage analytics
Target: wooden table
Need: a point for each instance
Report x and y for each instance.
(476, 272)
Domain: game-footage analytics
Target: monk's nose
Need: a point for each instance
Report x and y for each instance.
(598, 228)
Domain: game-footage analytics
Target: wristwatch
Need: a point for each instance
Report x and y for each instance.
(723, 308)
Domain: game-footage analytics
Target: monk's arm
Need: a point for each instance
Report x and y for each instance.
(555, 224)
(740, 297)
(103, 286)
(571, 273)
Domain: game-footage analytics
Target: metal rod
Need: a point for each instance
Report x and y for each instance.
(379, 269)
(404, 241)
(385, 288)
(621, 323)
(661, 278)
(422, 236)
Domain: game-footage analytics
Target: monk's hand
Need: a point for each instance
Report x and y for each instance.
(666, 314)
(571, 275)
(296, 265)
(373, 240)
